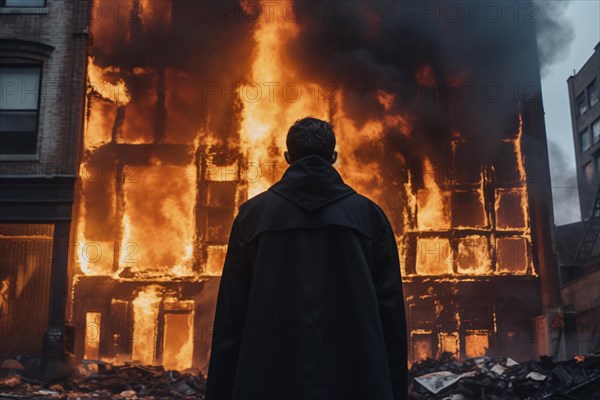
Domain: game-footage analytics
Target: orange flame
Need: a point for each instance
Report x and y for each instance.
(169, 210)
(272, 99)
(145, 315)
(106, 84)
(433, 203)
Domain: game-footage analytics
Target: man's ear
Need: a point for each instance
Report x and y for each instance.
(287, 157)
(334, 157)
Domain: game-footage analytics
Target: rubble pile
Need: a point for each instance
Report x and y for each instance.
(102, 380)
(446, 378)
(503, 378)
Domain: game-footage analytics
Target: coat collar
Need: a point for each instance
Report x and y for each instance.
(311, 182)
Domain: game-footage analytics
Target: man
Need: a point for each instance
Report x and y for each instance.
(310, 303)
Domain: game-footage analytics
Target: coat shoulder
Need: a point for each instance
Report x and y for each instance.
(269, 211)
(377, 216)
(256, 203)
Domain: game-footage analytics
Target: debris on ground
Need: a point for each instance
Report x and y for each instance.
(501, 378)
(490, 378)
(98, 379)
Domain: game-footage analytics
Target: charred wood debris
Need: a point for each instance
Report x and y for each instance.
(445, 378)
(102, 380)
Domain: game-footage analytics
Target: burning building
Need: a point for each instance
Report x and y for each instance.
(439, 119)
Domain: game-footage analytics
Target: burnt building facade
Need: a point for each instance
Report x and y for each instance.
(43, 47)
(175, 141)
(177, 137)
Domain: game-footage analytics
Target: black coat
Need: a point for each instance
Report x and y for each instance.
(310, 303)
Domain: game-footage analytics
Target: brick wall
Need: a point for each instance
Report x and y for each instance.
(62, 24)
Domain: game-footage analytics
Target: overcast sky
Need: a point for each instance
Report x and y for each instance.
(584, 17)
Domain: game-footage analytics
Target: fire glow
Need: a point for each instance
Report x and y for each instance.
(159, 187)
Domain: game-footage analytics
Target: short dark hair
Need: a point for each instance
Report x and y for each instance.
(310, 136)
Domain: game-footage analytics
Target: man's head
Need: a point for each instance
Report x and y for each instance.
(310, 136)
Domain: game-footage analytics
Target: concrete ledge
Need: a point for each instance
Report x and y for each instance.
(24, 10)
(19, 157)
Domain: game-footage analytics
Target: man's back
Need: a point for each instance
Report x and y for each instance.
(310, 304)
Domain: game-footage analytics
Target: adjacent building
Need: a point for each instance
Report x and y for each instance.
(43, 47)
(577, 243)
(585, 115)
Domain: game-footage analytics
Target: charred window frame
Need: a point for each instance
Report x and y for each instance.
(19, 118)
(592, 90)
(581, 104)
(586, 140)
(492, 236)
(23, 3)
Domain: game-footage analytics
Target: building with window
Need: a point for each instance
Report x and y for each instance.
(577, 244)
(585, 116)
(43, 46)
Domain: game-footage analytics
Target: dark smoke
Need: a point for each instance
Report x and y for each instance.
(554, 32)
(490, 46)
(564, 182)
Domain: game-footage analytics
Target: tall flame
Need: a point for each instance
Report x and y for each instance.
(145, 315)
(522, 174)
(272, 99)
(433, 203)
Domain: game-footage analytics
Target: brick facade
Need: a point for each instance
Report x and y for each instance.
(61, 26)
(37, 187)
